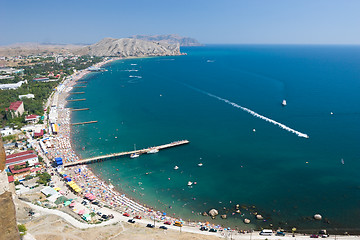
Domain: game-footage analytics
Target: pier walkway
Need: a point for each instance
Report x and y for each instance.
(114, 155)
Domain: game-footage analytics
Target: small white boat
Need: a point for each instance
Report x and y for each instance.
(342, 161)
(200, 164)
(134, 155)
(284, 102)
(190, 183)
(176, 167)
(153, 150)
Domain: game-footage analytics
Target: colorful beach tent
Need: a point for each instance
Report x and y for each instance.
(86, 217)
(67, 203)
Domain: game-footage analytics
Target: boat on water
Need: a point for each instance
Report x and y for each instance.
(200, 164)
(176, 167)
(153, 150)
(284, 102)
(342, 161)
(190, 183)
(134, 155)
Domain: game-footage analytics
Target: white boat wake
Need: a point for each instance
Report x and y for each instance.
(283, 126)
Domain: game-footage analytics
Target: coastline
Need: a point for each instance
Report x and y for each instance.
(93, 183)
(79, 76)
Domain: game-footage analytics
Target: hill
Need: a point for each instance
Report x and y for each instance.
(129, 47)
(170, 38)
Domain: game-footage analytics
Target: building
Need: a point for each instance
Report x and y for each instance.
(6, 131)
(17, 108)
(11, 71)
(59, 59)
(9, 86)
(27, 96)
(32, 118)
(22, 157)
(39, 134)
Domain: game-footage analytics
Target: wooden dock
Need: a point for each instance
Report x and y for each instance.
(79, 109)
(81, 123)
(76, 92)
(75, 100)
(114, 155)
(79, 87)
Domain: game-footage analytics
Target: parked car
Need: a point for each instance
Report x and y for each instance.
(99, 213)
(280, 233)
(150, 225)
(212, 230)
(314, 236)
(126, 214)
(163, 227)
(131, 221)
(138, 217)
(178, 224)
(95, 203)
(167, 223)
(104, 216)
(266, 232)
(204, 229)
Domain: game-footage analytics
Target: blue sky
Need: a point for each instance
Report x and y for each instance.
(209, 21)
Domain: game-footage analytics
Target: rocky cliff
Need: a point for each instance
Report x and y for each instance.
(170, 38)
(128, 47)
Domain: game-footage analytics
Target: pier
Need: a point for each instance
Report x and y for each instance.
(81, 81)
(76, 92)
(75, 100)
(81, 123)
(114, 155)
(79, 87)
(79, 109)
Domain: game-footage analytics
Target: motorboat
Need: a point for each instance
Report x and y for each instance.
(134, 155)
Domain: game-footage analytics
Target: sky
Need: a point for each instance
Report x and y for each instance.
(208, 21)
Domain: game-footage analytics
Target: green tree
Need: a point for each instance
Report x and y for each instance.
(22, 229)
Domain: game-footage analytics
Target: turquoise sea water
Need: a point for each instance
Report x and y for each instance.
(284, 177)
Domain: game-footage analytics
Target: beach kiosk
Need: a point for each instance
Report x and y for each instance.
(59, 161)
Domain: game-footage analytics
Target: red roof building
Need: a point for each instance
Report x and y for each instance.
(31, 118)
(17, 107)
(39, 134)
(22, 157)
(10, 179)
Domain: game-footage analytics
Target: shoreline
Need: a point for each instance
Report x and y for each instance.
(103, 183)
(113, 197)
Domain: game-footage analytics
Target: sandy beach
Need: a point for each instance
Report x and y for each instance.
(83, 176)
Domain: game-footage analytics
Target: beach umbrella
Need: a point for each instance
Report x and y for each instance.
(164, 213)
(72, 204)
(81, 212)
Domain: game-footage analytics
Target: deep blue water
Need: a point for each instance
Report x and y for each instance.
(284, 177)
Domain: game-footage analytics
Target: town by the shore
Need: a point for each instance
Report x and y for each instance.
(90, 198)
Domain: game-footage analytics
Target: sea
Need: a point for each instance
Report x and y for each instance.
(286, 163)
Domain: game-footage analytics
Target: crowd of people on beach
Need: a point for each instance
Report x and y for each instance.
(83, 176)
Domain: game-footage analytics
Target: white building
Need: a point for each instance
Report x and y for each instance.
(6, 131)
(11, 85)
(27, 96)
